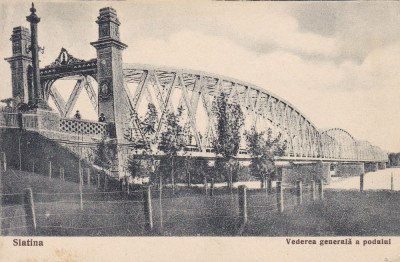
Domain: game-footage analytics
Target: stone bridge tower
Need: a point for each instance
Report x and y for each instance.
(21, 65)
(111, 96)
(25, 71)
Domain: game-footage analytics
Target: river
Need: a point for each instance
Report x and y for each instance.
(373, 180)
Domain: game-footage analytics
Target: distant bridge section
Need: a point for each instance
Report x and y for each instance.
(340, 144)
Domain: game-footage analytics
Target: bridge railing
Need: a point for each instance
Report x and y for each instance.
(9, 119)
(83, 127)
(32, 121)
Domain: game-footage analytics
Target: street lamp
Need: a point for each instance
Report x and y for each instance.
(20, 123)
(19, 151)
(80, 171)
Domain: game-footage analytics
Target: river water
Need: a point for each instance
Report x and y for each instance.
(373, 180)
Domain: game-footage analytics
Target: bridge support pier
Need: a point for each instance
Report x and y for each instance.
(306, 172)
(371, 167)
(381, 165)
(349, 169)
(323, 172)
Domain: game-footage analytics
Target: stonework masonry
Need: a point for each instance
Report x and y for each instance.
(21, 65)
(112, 98)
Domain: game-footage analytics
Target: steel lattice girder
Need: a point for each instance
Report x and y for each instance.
(259, 105)
(65, 108)
(346, 147)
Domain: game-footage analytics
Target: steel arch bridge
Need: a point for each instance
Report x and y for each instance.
(169, 88)
(262, 110)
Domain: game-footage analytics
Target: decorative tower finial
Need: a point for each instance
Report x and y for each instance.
(33, 10)
(33, 18)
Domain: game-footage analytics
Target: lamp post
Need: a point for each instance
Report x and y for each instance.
(80, 172)
(19, 152)
(20, 124)
(33, 19)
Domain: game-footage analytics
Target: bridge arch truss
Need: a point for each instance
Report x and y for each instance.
(196, 90)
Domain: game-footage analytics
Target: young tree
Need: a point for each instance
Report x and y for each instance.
(149, 121)
(143, 166)
(200, 169)
(394, 159)
(140, 131)
(229, 123)
(172, 141)
(105, 155)
(263, 148)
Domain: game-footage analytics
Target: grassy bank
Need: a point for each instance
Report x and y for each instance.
(37, 152)
(189, 212)
(342, 213)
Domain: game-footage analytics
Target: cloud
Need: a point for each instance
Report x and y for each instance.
(268, 29)
(263, 28)
(279, 30)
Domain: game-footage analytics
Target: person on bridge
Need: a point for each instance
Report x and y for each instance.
(77, 115)
(102, 118)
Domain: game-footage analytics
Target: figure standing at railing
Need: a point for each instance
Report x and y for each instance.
(78, 115)
(102, 118)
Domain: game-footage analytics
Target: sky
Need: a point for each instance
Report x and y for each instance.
(337, 62)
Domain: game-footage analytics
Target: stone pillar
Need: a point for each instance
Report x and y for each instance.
(361, 167)
(113, 102)
(279, 173)
(21, 65)
(109, 65)
(367, 167)
(334, 169)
